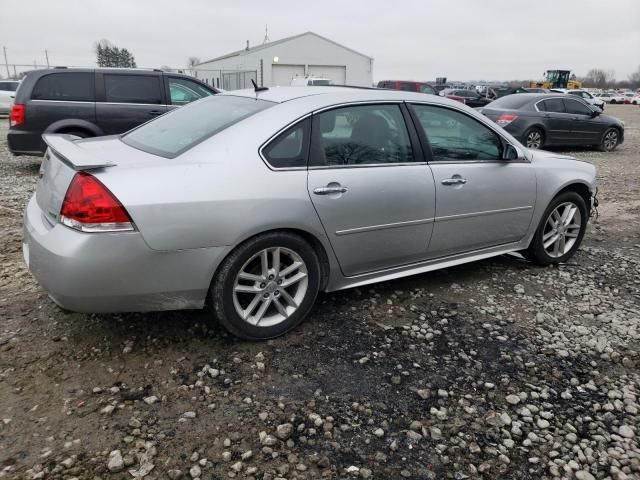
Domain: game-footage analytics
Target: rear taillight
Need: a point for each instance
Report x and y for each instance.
(505, 119)
(89, 206)
(17, 114)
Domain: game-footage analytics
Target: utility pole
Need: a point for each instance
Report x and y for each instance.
(6, 62)
(46, 54)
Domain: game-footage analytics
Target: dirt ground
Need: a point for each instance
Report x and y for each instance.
(497, 369)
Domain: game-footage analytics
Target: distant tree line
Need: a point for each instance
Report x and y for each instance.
(108, 55)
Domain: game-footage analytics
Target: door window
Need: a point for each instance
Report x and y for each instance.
(361, 135)
(289, 149)
(454, 136)
(576, 108)
(66, 86)
(132, 88)
(408, 87)
(553, 105)
(183, 91)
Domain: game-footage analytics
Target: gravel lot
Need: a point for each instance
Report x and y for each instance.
(497, 369)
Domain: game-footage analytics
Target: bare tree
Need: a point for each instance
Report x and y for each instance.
(634, 78)
(191, 63)
(599, 78)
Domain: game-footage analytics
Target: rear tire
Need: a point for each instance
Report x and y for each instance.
(533, 138)
(266, 286)
(565, 221)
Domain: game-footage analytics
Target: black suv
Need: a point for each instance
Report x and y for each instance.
(93, 102)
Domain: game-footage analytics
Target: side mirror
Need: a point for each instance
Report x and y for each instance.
(594, 113)
(510, 153)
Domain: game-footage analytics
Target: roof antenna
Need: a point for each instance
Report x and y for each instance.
(266, 35)
(256, 88)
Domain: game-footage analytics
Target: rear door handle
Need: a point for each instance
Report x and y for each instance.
(454, 181)
(329, 190)
(155, 112)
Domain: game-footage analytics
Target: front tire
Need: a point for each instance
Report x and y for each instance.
(534, 138)
(266, 286)
(560, 231)
(610, 140)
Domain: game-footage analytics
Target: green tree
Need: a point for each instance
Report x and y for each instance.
(108, 55)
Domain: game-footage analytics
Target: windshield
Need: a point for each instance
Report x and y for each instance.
(320, 82)
(183, 128)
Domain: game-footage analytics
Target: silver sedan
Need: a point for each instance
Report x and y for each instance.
(252, 202)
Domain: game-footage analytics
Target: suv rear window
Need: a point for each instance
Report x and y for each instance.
(65, 86)
(183, 128)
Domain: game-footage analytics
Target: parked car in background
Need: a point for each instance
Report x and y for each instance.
(612, 97)
(7, 93)
(310, 81)
(587, 97)
(635, 100)
(471, 97)
(546, 120)
(93, 102)
(242, 201)
(536, 90)
(407, 86)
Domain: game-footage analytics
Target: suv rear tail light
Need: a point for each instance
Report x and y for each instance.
(17, 114)
(89, 206)
(505, 119)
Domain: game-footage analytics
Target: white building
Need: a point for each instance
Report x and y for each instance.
(278, 62)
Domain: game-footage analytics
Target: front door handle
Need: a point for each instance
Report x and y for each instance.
(155, 112)
(328, 190)
(454, 181)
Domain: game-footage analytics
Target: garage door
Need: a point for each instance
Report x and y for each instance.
(336, 73)
(282, 75)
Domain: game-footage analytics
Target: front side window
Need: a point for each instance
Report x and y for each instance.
(65, 86)
(183, 128)
(454, 136)
(576, 108)
(427, 89)
(132, 89)
(183, 91)
(361, 135)
(289, 149)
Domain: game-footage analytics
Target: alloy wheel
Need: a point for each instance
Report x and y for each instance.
(270, 286)
(562, 229)
(610, 140)
(534, 139)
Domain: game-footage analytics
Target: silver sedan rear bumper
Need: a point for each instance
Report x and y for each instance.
(114, 272)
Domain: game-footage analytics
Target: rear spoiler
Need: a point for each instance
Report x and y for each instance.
(65, 148)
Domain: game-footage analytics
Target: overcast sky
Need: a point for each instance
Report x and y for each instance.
(408, 39)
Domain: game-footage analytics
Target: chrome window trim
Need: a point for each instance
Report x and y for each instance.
(101, 103)
(366, 165)
(59, 101)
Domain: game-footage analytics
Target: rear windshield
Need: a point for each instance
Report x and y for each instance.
(510, 102)
(178, 131)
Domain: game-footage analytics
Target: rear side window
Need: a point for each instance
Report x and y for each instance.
(65, 86)
(289, 149)
(553, 105)
(132, 88)
(183, 128)
(408, 87)
(9, 86)
(511, 102)
(361, 135)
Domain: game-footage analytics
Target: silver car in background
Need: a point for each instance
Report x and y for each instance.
(252, 202)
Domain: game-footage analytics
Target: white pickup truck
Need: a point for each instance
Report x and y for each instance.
(7, 93)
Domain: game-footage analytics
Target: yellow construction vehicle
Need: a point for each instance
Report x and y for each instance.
(558, 79)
